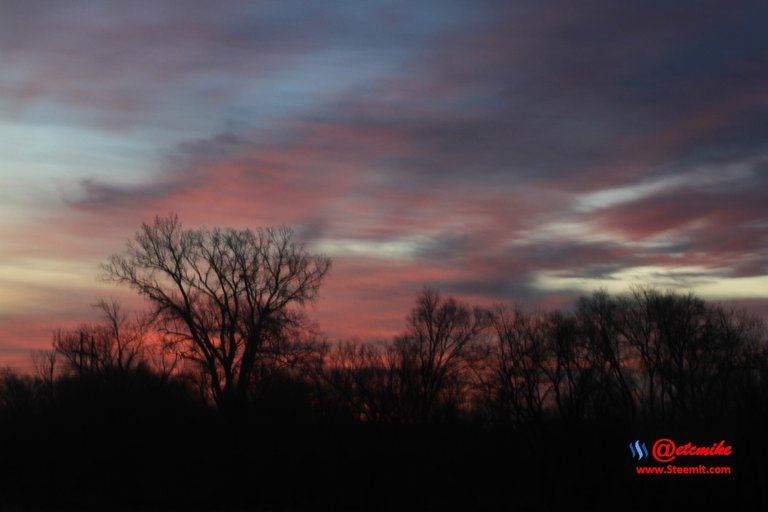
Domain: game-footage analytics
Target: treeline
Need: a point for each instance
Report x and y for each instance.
(114, 418)
(651, 359)
(223, 396)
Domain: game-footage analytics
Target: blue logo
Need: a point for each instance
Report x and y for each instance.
(638, 450)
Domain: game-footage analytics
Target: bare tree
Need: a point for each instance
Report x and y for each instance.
(433, 355)
(223, 295)
(569, 370)
(44, 362)
(364, 379)
(521, 360)
(690, 352)
(608, 351)
(114, 347)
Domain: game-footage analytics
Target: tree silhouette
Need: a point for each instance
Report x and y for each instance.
(224, 296)
(44, 363)
(690, 353)
(434, 353)
(117, 346)
(608, 353)
(424, 420)
(364, 379)
(521, 354)
(569, 369)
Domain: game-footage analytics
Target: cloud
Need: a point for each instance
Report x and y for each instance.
(500, 151)
(705, 282)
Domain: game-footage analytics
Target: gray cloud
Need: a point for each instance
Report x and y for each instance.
(457, 132)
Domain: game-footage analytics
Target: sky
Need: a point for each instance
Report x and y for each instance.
(500, 151)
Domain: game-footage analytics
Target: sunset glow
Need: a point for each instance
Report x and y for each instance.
(509, 151)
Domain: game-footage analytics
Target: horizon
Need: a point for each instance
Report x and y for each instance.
(499, 153)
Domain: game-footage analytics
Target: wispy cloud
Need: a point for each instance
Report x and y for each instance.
(501, 151)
